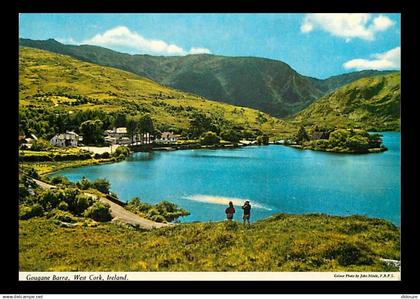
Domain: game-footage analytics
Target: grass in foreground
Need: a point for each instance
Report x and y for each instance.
(280, 243)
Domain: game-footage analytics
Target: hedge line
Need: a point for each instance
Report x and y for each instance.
(52, 157)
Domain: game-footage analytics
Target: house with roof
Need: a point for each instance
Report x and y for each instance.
(117, 136)
(69, 138)
(167, 137)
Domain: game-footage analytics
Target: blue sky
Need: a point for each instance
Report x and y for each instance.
(317, 45)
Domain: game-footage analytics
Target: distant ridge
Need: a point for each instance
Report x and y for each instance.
(268, 85)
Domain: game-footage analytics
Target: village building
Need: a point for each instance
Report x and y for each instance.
(117, 136)
(120, 136)
(167, 137)
(66, 139)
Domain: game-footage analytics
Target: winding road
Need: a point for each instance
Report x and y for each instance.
(119, 214)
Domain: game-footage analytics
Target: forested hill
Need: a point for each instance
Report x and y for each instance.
(268, 85)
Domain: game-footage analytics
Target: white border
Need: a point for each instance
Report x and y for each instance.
(210, 276)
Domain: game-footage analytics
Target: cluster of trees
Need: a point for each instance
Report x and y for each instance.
(340, 140)
(63, 204)
(141, 125)
(211, 130)
(161, 212)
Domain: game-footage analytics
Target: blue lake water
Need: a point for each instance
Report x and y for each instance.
(273, 178)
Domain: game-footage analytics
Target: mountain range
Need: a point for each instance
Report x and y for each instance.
(268, 85)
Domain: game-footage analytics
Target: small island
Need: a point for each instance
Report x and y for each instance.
(339, 140)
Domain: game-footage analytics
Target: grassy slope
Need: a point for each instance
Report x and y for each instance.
(372, 103)
(279, 243)
(264, 84)
(110, 89)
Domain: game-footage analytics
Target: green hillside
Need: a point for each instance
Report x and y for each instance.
(371, 103)
(334, 82)
(264, 84)
(51, 84)
(280, 243)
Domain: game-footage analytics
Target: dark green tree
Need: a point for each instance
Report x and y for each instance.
(199, 124)
(230, 135)
(91, 131)
(120, 120)
(301, 135)
(132, 126)
(102, 185)
(145, 125)
(209, 138)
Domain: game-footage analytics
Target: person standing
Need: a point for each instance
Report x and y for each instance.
(247, 212)
(230, 211)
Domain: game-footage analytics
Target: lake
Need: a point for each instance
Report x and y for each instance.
(274, 178)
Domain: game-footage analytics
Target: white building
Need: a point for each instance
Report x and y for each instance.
(167, 137)
(116, 135)
(66, 139)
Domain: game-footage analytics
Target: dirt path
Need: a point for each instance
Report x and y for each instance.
(118, 213)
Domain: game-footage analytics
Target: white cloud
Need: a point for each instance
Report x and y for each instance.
(199, 51)
(67, 41)
(387, 60)
(347, 26)
(121, 36)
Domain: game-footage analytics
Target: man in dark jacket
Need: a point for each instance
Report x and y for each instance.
(247, 212)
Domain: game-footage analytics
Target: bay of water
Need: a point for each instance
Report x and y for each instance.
(275, 179)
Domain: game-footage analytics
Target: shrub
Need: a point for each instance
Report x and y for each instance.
(69, 195)
(158, 218)
(209, 138)
(49, 199)
(349, 253)
(33, 173)
(105, 155)
(40, 145)
(122, 150)
(82, 202)
(84, 184)
(99, 212)
(101, 185)
(63, 206)
(230, 135)
(27, 212)
(60, 215)
(60, 180)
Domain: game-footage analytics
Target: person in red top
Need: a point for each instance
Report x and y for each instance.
(230, 211)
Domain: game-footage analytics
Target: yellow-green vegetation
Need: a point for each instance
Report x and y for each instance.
(371, 103)
(57, 158)
(56, 83)
(43, 168)
(283, 242)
